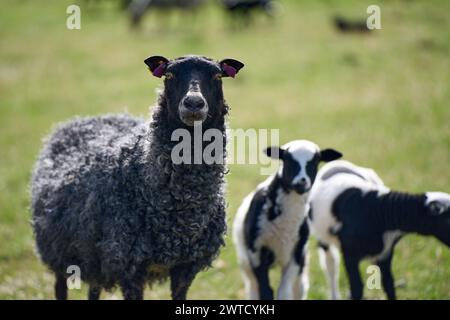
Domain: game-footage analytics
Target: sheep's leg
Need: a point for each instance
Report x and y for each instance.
(94, 292)
(294, 281)
(297, 274)
(329, 261)
(181, 278)
(137, 10)
(387, 278)
(301, 287)
(288, 282)
(352, 266)
(60, 288)
(133, 288)
(262, 274)
(132, 291)
(250, 282)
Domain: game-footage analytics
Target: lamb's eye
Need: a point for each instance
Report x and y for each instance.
(218, 76)
(169, 75)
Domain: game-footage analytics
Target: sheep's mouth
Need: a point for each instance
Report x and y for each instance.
(190, 117)
(301, 189)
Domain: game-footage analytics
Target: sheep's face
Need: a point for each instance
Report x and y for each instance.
(193, 86)
(438, 208)
(301, 160)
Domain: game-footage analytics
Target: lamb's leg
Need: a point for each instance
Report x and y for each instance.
(329, 261)
(288, 282)
(387, 278)
(352, 266)
(60, 288)
(181, 277)
(294, 281)
(302, 286)
(262, 274)
(298, 278)
(94, 292)
(250, 282)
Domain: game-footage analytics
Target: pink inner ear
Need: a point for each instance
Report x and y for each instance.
(159, 71)
(229, 70)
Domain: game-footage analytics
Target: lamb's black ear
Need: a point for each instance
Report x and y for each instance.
(328, 155)
(230, 67)
(274, 152)
(157, 65)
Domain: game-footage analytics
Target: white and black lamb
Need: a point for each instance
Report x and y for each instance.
(352, 209)
(107, 196)
(271, 226)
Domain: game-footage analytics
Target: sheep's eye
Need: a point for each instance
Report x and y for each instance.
(169, 75)
(218, 76)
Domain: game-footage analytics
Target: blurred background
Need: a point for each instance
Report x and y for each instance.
(312, 70)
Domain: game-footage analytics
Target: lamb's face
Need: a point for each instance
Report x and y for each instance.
(301, 160)
(193, 86)
(438, 208)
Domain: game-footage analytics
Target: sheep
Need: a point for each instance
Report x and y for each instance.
(107, 197)
(138, 8)
(345, 25)
(242, 9)
(270, 225)
(352, 209)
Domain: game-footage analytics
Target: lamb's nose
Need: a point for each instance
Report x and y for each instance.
(194, 103)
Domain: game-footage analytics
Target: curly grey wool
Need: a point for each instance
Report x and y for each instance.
(107, 198)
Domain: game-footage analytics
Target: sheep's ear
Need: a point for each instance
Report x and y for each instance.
(274, 152)
(328, 155)
(230, 67)
(156, 65)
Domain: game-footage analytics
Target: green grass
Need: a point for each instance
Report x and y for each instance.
(382, 99)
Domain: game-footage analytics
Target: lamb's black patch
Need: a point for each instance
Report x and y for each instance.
(310, 213)
(323, 245)
(300, 248)
(366, 216)
(272, 193)
(312, 166)
(291, 169)
(251, 228)
(263, 196)
(261, 272)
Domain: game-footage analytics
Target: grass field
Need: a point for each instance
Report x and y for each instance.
(382, 99)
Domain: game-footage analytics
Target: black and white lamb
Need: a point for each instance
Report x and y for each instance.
(352, 209)
(108, 198)
(271, 226)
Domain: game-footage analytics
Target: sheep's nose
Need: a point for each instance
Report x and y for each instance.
(194, 103)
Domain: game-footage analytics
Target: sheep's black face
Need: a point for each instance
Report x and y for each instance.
(194, 89)
(301, 160)
(193, 86)
(438, 208)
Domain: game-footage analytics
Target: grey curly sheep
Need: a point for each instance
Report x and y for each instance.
(107, 197)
